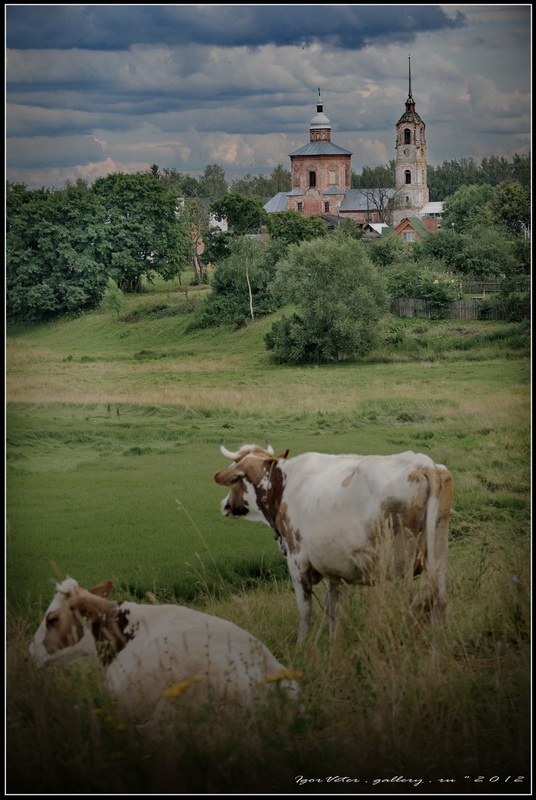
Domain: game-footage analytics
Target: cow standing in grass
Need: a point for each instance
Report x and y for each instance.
(328, 513)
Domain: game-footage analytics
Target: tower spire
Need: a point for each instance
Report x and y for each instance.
(409, 95)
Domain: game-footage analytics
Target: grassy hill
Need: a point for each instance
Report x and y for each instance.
(113, 427)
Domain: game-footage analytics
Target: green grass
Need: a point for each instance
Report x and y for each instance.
(113, 431)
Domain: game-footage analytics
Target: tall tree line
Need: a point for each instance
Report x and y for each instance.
(449, 176)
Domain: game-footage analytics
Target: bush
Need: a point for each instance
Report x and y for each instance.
(515, 306)
(340, 298)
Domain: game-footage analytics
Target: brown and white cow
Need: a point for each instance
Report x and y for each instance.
(153, 653)
(328, 512)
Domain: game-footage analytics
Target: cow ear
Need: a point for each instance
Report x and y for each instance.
(102, 589)
(89, 611)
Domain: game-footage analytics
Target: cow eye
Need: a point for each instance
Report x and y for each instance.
(52, 621)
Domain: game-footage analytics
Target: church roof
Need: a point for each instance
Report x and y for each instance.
(277, 203)
(320, 121)
(410, 115)
(320, 149)
(334, 190)
(361, 199)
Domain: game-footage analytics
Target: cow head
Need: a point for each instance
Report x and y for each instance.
(255, 484)
(64, 635)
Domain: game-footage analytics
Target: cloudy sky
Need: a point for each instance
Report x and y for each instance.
(94, 89)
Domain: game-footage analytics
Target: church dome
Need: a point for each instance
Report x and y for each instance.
(320, 121)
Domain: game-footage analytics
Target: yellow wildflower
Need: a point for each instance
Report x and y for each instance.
(176, 689)
(283, 674)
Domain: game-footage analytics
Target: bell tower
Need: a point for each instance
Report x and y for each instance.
(410, 163)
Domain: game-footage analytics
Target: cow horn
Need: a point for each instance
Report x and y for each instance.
(227, 453)
(269, 448)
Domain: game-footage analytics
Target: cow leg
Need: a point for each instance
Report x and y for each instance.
(437, 543)
(303, 589)
(330, 605)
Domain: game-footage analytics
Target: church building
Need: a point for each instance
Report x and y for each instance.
(321, 172)
(410, 163)
(322, 176)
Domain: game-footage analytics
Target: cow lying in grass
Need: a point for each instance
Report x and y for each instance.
(329, 513)
(153, 653)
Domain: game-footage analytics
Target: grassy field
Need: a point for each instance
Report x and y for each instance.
(113, 427)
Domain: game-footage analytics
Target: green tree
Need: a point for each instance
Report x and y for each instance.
(216, 246)
(263, 186)
(242, 284)
(113, 298)
(496, 169)
(292, 227)
(522, 169)
(446, 179)
(468, 206)
(17, 195)
(280, 180)
(144, 233)
(375, 177)
(486, 252)
(411, 279)
(55, 254)
(339, 297)
(243, 214)
(195, 217)
(351, 228)
(213, 181)
(388, 250)
(181, 184)
(510, 205)
(445, 245)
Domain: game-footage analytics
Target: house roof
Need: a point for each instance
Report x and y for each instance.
(320, 149)
(414, 222)
(377, 226)
(432, 208)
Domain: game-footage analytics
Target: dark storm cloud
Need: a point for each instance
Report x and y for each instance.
(118, 27)
(46, 151)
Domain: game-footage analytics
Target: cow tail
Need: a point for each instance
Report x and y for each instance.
(436, 531)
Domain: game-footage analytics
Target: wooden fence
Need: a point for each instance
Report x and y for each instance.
(458, 309)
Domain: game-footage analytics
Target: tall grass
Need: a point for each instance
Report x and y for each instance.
(113, 433)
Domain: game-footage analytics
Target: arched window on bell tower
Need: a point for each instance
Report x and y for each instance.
(407, 136)
(407, 176)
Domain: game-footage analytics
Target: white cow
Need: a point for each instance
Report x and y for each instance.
(153, 653)
(328, 512)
